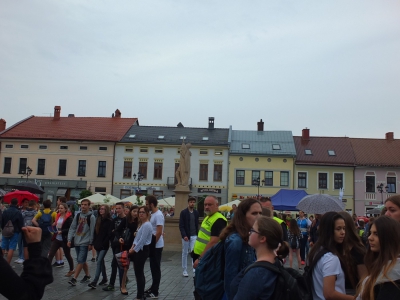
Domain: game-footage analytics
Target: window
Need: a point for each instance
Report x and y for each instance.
(158, 150)
(370, 184)
(338, 181)
(276, 147)
(128, 149)
(100, 190)
(239, 177)
(269, 178)
(127, 169)
(41, 166)
(161, 137)
(63, 147)
(7, 165)
(218, 152)
(217, 172)
(9, 146)
(82, 168)
(331, 152)
(245, 146)
(158, 170)
(103, 148)
(24, 146)
(83, 148)
(391, 184)
(205, 138)
(302, 180)
(203, 151)
(322, 180)
(308, 152)
(22, 165)
(284, 178)
(203, 172)
(132, 136)
(42, 147)
(254, 176)
(101, 172)
(143, 169)
(62, 167)
(144, 149)
(183, 137)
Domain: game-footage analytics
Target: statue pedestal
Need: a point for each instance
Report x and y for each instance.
(181, 199)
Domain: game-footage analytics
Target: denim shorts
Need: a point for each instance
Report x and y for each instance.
(10, 243)
(81, 253)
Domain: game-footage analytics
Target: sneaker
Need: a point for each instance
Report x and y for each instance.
(185, 274)
(103, 282)
(55, 264)
(85, 279)
(19, 261)
(72, 282)
(152, 296)
(60, 265)
(92, 285)
(109, 288)
(303, 262)
(70, 273)
(93, 259)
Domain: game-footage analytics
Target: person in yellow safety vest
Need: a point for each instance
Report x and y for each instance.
(210, 229)
(361, 227)
(267, 203)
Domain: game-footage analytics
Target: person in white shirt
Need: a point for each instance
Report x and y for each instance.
(156, 246)
(328, 277)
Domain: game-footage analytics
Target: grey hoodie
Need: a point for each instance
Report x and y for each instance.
(81, 231)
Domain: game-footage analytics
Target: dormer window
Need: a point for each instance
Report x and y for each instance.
(276, 147)
(161, 137)
(331, 152)
(132, 136)
(308, 152)
(245, 146)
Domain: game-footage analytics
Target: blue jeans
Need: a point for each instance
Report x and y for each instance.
(81, 254)
(101, 267)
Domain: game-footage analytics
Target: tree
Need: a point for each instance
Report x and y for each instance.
(84, 194)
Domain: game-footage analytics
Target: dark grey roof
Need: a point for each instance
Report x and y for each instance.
(172, 135)
(262, 142)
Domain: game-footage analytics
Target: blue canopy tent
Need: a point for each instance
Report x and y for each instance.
(287, 199)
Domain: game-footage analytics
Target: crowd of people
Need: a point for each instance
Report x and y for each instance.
(347, 258)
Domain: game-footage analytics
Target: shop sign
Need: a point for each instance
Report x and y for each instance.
(207, 190)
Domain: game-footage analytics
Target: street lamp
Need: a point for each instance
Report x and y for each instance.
(380, 190)
(139, 177)
(258, 183)
(27, 172)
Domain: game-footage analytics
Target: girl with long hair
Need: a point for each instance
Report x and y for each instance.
(238, 253)
(101, 242)
(328, 277)
(382, 261)
(353, 254)
(62, 223)
(392, 206)
(140, 249)
(259, 283)
(127, 228)
(294, 237)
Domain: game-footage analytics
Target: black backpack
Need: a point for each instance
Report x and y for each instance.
(294, 242)
(289, 285)
(209, 279)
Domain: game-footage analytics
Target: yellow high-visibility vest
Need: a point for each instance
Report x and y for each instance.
(204, 235)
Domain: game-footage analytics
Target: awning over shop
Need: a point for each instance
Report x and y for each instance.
(61, 192)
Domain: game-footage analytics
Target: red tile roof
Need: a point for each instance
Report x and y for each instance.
(376, 152)
(319, 147)
(70, 128)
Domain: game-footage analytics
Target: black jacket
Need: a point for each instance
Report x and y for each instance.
(120, 230)
(65, 228)
(184, 222)
(12, 213)
(101, 240)
(30, 285)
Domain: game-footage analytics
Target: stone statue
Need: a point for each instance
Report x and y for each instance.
(183, 172)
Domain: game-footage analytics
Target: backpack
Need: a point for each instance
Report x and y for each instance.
(8, 230)
(309, 269)
(209, 279)
(45, 221)
(289, 285)
(28, 216)
(294, 242)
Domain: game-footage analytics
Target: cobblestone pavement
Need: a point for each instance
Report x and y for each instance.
(173, 284)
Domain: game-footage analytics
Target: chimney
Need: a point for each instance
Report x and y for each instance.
(260, 125)
(389, 136)
(117, 114)
(2, 125)
(305, 134)
(57, 112)
(211, 123)
(71, 116)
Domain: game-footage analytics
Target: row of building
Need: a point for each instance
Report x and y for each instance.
(115, 155)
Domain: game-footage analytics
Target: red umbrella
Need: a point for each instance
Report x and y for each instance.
(20, 195)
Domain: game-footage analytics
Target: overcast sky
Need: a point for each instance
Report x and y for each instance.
(331, 66)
